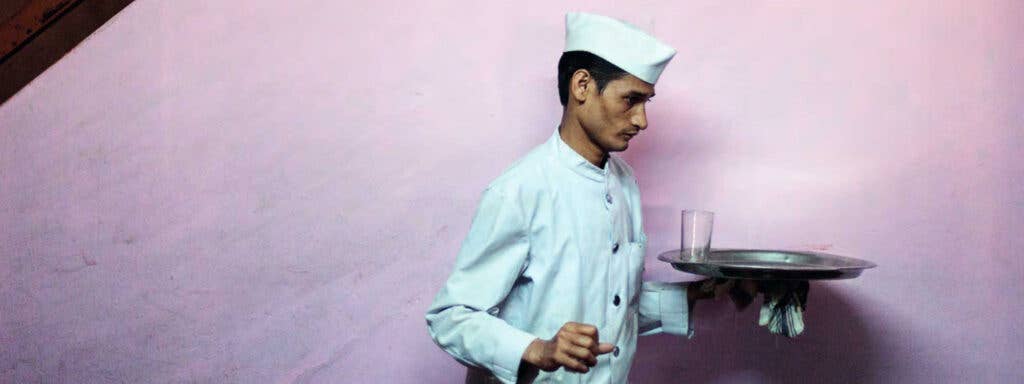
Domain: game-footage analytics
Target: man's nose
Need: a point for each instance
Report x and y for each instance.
(639, 119)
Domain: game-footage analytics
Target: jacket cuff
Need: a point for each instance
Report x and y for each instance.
(675, 311)
(509, 354)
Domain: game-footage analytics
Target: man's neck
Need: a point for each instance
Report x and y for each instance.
(573, 135)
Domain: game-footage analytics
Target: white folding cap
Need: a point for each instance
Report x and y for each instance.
(619, 43)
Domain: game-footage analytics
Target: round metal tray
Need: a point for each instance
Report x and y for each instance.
(767, 264)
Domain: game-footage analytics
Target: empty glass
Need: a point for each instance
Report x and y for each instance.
(696, 230)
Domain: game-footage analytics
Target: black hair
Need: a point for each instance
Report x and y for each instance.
(600, 69)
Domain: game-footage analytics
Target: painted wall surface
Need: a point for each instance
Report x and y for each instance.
(273, 193)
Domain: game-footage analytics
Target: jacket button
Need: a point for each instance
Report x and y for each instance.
(615, 351)
(615, 247)
(615, 300)
(608, 198)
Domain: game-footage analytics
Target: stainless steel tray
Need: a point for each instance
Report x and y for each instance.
(767, 264)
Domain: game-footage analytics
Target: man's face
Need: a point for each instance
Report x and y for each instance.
(618, 114)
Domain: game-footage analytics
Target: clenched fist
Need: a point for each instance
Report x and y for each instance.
(574, 347)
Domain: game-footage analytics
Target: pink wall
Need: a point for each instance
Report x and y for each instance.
(207, 193)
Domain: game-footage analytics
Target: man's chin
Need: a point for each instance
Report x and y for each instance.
(619, 146)
(617, 149)
(615, 144)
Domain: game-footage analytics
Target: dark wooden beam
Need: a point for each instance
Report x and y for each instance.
(49, 45)
(29, 21)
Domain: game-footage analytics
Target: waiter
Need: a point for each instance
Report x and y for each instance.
(547, 285)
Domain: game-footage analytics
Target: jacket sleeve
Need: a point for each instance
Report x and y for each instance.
(462, 320)
(664, 309)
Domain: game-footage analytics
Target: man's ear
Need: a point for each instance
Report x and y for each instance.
(579, 85)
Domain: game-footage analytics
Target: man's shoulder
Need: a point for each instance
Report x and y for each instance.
(528, 171)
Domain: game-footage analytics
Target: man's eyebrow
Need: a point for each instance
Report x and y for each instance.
(639, 94)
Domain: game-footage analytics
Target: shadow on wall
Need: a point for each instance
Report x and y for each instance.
(837, 346)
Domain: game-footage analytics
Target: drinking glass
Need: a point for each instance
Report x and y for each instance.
(696, 231)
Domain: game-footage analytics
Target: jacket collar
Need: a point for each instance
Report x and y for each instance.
(576, 162)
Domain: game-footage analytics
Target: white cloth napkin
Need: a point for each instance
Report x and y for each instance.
(783, 305)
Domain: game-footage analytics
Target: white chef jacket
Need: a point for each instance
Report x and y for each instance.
(554, 239)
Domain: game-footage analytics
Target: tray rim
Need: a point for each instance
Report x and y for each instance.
(866, 264)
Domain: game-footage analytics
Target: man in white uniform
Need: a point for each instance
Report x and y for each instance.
(547, 285)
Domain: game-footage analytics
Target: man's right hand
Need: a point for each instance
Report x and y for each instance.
(574, 347)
